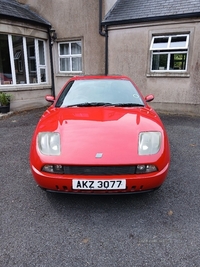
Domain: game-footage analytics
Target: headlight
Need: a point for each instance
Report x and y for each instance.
(49, 143)
(149, 143)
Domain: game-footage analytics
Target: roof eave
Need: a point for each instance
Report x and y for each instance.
(39, 23)
(150, 19)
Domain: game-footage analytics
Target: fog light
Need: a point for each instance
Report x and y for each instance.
(151, 168)
(141, 168)
(53, 169)
(146, 168)
(58, 168)
(48, 168)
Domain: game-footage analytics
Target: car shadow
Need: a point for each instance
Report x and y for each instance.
(109, 203)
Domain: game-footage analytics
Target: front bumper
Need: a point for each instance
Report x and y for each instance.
(137, 183)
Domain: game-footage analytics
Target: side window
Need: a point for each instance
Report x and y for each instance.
(169, 53)
(70, 56)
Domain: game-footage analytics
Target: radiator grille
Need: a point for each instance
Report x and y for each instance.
(100, 170)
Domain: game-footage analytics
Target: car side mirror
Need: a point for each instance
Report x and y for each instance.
(50, 98)
(149, 98)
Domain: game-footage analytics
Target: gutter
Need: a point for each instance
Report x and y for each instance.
(22, 19)
(149, 19)
(103, 33)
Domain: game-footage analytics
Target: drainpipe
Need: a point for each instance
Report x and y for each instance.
(106, 50)
(100, 19)
(104, 34)
(51, 63)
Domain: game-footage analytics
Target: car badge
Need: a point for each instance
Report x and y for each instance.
(99, 155)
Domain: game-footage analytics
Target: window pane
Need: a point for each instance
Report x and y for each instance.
(178, 61)
(160, 42)
(43, 75)
(64, 64)
(64, 49)
(19, 59)
(31, 60)
(31, 48)
(76, 48)
(70, 56)
(178, 41)
(41, 52)
(76, 64)
(32, 65)
(159, 62)
(5, 67)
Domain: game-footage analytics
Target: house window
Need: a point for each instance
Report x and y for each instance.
(169, 53)
(70, 56)
(31, 60)
(22, 60)
(42, 62)
(17, 47)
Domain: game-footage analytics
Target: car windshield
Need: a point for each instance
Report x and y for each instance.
(99, 92)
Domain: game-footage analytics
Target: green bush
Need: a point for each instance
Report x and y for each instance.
(4, 99)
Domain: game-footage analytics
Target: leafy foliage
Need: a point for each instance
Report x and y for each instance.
(4, 99)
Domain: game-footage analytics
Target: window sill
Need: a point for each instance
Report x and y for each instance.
(24, 87)
(168, 74)
(69, 74)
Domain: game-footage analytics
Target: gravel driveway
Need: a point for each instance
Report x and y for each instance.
(47, 230)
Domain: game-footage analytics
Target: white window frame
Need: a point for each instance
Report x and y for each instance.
(70, 56)
(169, 50)
(26, 55)
(38, 65)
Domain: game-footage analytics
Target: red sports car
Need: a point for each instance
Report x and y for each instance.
(100, 136)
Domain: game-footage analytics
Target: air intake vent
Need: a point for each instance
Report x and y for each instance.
(100, 170)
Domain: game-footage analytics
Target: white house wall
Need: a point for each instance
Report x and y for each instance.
(129, 55)
(74, 20)
(128, 50)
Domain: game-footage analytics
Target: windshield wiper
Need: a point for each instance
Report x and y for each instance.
(90, 104)
(128, 105)
(104, 104)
